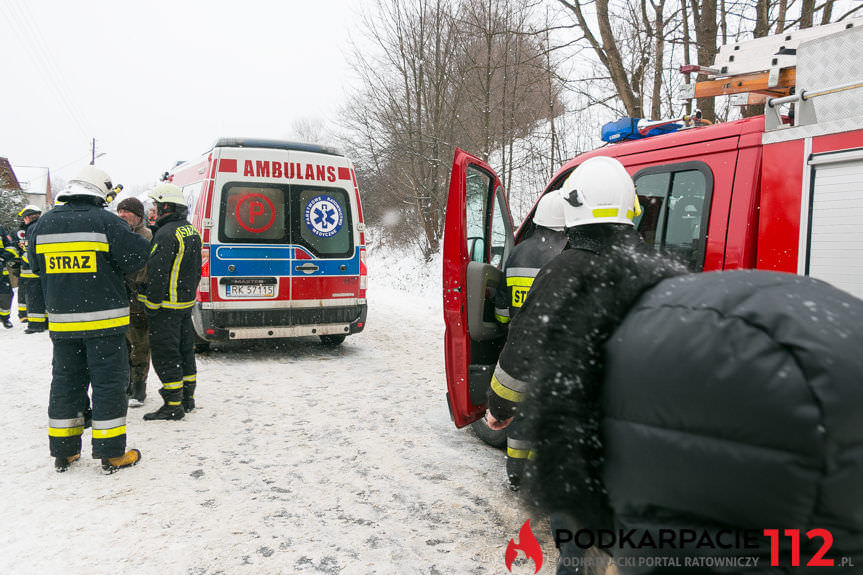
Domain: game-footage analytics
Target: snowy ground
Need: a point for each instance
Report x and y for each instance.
(300, 459)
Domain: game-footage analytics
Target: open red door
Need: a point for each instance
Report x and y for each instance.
(477, 238)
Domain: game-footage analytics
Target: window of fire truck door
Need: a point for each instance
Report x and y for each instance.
(477, 194)
(675, 201)
(322, 220)
(253, 214)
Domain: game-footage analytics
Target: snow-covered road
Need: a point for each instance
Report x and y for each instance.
(300, 459)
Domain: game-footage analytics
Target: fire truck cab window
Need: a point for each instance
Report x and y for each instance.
(477, 195)
(674, 201)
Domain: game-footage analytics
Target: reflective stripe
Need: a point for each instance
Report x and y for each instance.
(70, 247)
(630, 214)
(509, 381)
(109, 423)
(524, 272)
(5, 312)
(192, 377)
(174, 402)
(501, 318)
(22, 308)
(178, 305)
(12, 251)
(143, 299)
(173, 385)
(65, 431)
(91, 315)
(35, 318)
(605, 212)
(88, 325)
(519, 281)
(504, 392)
(71, 237)
(175, 269)
(518, 453)
(74, 422)
(108, 433)
(29, 275)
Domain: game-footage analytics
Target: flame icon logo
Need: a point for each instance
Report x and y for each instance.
(527, 544)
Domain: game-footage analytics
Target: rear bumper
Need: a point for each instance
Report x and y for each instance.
(223, 325)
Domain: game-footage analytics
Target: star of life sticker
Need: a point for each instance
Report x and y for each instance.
(324, 216)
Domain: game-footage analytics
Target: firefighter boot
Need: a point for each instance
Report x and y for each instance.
(7, 323)
(114, 464)
(189, 396)
(61, 464)
(172, 409)
(139, 394)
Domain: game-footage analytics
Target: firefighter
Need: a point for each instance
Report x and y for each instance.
(578, 297)
(546, 242)
(173, 273)
(132, 210)
(82, 252)
(8, 253)
(30, 300)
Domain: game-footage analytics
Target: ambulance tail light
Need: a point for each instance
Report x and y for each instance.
(363, 272)
(204, 284)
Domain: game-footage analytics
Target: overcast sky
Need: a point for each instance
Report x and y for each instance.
(158, 81)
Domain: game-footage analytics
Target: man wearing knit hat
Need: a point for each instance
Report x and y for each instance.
(132, 210)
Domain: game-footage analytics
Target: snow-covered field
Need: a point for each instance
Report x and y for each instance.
(299, 459)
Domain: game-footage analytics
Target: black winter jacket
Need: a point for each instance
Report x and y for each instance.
(735, 400)
(81, 252)
(174, 267)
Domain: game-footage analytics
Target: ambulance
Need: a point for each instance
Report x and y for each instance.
(781, 192)
(283, 241)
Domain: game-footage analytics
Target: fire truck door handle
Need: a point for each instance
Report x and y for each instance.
(307, 268)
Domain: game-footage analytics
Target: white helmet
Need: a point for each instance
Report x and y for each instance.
(29, 210)
(167, 194)
(88, 181)
(549, 212)
(599, 191)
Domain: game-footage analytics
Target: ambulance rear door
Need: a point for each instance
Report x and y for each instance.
(251, 255)
(325, 240)
(477, 238)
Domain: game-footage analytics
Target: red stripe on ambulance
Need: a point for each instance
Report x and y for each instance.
(228, 166)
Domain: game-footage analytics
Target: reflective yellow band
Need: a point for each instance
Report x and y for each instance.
(65, 431)
(519, 281)
(29, 275)
(504, 392)
(518, 453)
(178, 304)
(4, 312)
(108, 433)
(71, 247)
(88, 325)
(174, 402)
(501, 318)
(173, 385)
(192, 377)
(605, 212)
(143, 299)
(630, 214)
(33, 318)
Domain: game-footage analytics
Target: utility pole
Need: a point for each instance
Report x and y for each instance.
(93, 153)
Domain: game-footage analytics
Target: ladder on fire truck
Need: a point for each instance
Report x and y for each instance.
(769, 67)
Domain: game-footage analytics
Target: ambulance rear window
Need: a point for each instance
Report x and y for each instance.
(254, 213)
(322, 220)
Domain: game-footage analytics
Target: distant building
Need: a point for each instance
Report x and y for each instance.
(35, 182)
(8, 181)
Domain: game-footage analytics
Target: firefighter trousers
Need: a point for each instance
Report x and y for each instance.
(518, 449)
(35, 302)
(138, 342)
(172, 346)
(5, 294)
(101, 362)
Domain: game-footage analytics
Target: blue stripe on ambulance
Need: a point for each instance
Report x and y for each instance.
(276, 261)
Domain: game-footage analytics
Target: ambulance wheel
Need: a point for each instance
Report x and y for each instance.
(332, 340)
(494, 437)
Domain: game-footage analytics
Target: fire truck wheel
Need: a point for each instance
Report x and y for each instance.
(494, 437)
(201, 344)
(332, 340)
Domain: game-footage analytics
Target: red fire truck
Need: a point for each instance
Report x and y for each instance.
(782, 192)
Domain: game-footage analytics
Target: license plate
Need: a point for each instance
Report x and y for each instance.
(250, 290)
